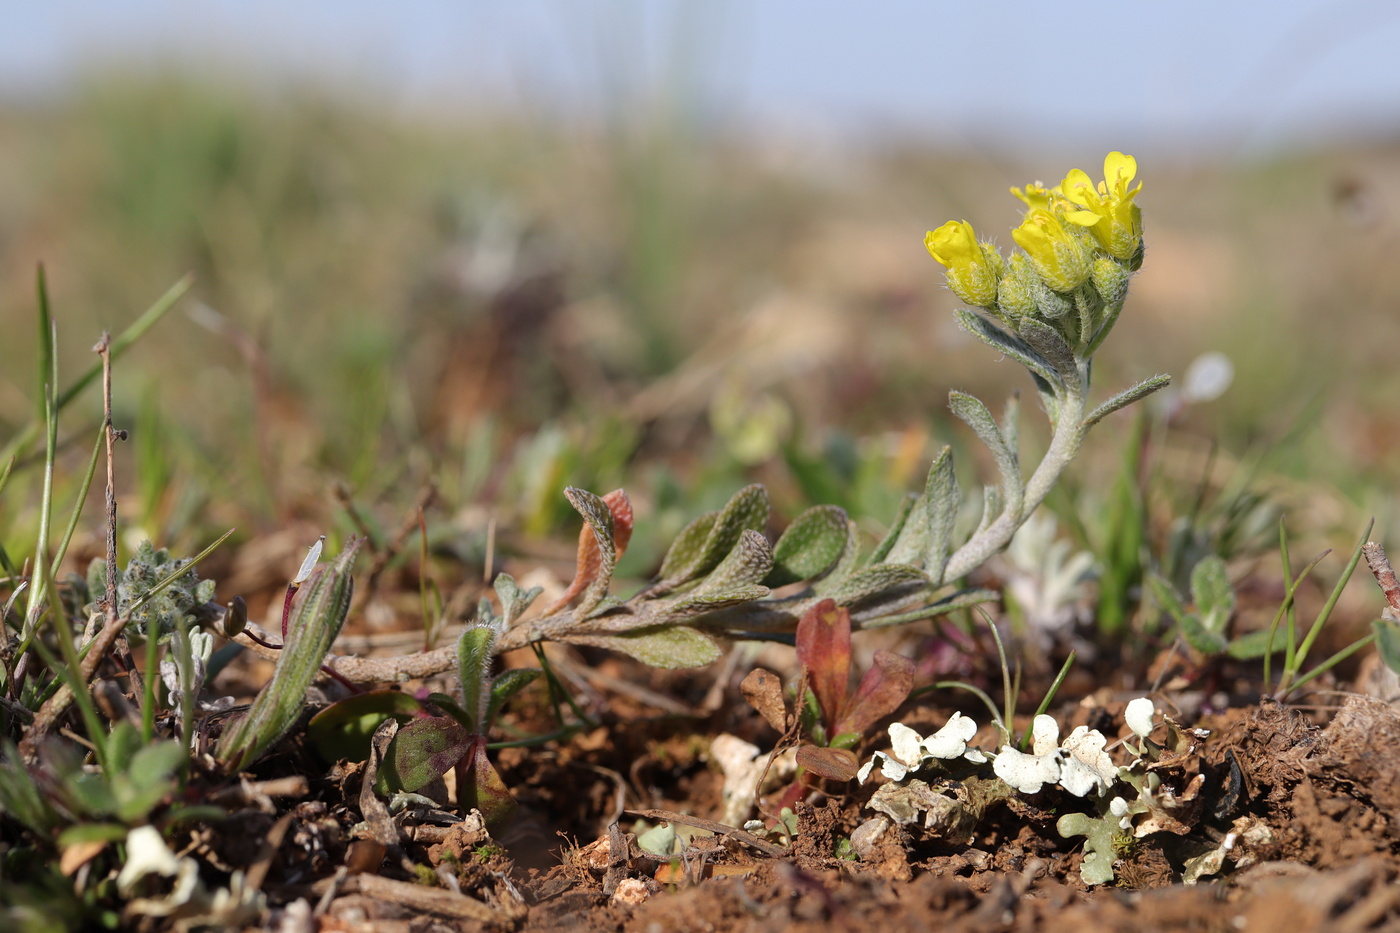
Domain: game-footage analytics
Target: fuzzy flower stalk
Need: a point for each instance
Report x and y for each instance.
(1050, 305)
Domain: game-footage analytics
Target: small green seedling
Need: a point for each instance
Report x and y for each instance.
(429, 747)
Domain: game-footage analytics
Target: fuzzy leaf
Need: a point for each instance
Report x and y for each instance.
(838, 764)
(666, 646)
(475, 650)
(1047, 342)
(1166, 598)
(884, 687)
(318, 612)
(879, 580)
(846, 564)
(976, 416)
(1214, 596)
(747, 510)
(906, 508)
(824, 651)
(1253, 645)
(514, 600)
(1125, 398)
(696, 604)
(749, 561)
(344, 729)
(422, 751)
(941, 501)
(598, 546)
(1014, 347)
(1200, 636)
(506, 685)
(809, 546)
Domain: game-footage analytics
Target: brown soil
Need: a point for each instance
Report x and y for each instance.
(1323, 795)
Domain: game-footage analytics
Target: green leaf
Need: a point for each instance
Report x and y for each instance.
(1200, 636)
(906, 509)
(941, 499)
(976, 416)
(506, 685)
(846, 564)
(695, 604)
(600, 520)
(809, 547)
(479, 787)
(747, 510)
(423, 751)
(1125, 398)
(1014, 347)
(1212, 592)
(666, 646)
(318, 612)
(514, 600)
(1251, 646)
(1047, 342)
(474, 655)
(879, 580)
(1388, 642)
(1166, 598)
(748, 562)
(92, 832)
(344, 729)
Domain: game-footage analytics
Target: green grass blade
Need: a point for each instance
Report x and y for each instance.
(1331, 603)
(81, 500)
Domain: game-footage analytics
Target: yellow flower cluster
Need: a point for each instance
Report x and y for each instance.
(1065, 233)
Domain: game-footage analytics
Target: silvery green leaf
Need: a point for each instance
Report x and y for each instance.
(1125, 398)
(976, 416)
(910, 544)
(1047, 342)
(991, 507)
(1387, 635)
(318, 612)
(748, 561)
(809, 546)
(514, 600)
(1014, 347)
(600, 519)
(845, 565)
(1011, 423)
(666, 646)
(605, 605)
(747, 510)
(878, 580)
(696, 603)
(906, 509)
(1166, 597)
(962, 599)
(941, 500)
(1200, 635)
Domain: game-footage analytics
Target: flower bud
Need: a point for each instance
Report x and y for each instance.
(1110, 280)
(1017, 290)
(1057, 253)
(972, 270)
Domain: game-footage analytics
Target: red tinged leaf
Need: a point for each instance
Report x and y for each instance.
(590, 559)
(883, 688)
(839, 764)
(824, 649)
(479, 787)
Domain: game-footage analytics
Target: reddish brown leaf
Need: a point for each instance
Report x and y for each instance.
(764, 691)
(824, 648)
(479, 786)
(839, 764)
(590, 558)
(883, 688)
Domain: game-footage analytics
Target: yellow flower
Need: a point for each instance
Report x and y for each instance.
(973, 268)
(1107, 209)
(1036, 196)
(1057, 254)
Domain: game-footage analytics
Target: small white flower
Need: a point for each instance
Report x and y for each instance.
(1027, 773)
(951, 741)
(1139, 716)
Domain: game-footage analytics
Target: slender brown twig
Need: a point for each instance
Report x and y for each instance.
(1383, 572)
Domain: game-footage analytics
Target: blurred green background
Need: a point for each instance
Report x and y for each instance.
(504, 303)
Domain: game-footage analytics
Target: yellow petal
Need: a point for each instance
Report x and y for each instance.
(1083, 218)
(1119, 170)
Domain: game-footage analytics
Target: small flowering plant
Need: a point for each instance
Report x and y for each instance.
(1156, 791)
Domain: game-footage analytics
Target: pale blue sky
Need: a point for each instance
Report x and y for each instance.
(1161, 75)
